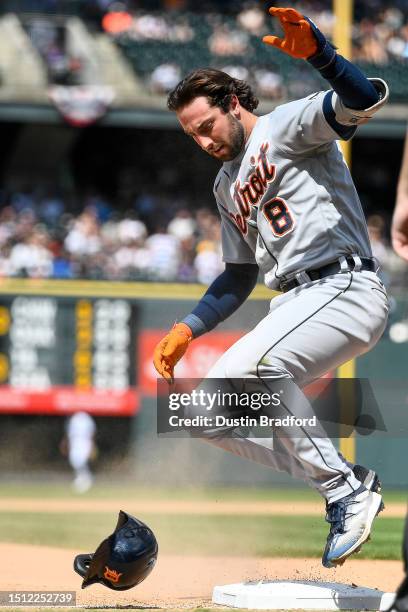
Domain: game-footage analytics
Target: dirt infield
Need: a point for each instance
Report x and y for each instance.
(273, 508)
(177, 581)
(180, 582)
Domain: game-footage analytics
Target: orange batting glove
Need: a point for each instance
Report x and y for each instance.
(171, 349)
(300, 41)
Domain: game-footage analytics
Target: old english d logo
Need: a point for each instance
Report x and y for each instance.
(111, 575)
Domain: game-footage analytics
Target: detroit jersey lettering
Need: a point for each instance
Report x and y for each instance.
(288, 202)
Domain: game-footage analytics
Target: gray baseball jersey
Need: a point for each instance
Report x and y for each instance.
(288, 202)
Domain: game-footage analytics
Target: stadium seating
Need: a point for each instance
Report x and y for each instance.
(145, 53)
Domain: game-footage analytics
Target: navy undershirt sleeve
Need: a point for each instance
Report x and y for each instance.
(224, 296)
(348, 81)
(350, 84)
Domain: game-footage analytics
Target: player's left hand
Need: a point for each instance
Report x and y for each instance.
(300, 34)
(171, 349)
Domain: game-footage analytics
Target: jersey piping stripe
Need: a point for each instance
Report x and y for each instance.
(271, 254)
(239, 436)
(223, 207)
(344, 131)
(280, 340)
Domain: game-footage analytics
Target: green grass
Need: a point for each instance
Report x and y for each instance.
(292, 536)
(256, 535)
(133, 491)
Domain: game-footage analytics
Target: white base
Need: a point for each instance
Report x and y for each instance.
(304, 595)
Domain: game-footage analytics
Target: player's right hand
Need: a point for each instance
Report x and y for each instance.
(171, 349)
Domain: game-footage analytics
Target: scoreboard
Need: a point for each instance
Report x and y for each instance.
(63, 354)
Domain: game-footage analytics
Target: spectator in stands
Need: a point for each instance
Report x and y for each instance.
(302, 81)
(165, 77)
(25, 224)
(208, 261)
(269, 83)
(164, 253)
(183, 226)
(181, 31)
(5, 264)
(237, 71)
(226, 41)
(252, 19)
(369, 45)
(131, 230)
(150, 27)
(8, 220)
(31, 257)
(83, 238)
(50, 209)
(99, 206)
(204, 219)
(397, 45)
(130, 256)
(62, 267)
(186, 271)
(132, 261)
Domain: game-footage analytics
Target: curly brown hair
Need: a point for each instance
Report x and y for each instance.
(217, 86)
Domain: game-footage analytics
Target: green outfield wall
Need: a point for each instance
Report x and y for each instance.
(147, 311)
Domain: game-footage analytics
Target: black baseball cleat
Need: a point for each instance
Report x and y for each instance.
(369, 478)
(401, 602)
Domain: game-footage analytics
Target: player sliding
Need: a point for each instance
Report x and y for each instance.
(289, 208)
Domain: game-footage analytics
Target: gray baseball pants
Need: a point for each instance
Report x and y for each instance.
(308, 331)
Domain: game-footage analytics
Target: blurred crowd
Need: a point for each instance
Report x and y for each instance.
(179, 35)
(43, 240)
(380, 34)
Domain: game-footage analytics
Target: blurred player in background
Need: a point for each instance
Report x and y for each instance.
(79, 446)
(399, 236)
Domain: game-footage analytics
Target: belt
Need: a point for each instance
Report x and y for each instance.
(344, 264)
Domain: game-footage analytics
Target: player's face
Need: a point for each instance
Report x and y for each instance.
(220, 134)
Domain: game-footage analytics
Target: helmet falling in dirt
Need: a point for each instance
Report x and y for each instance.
(122, 560)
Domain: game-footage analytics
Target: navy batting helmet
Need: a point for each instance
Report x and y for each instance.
(123, 560)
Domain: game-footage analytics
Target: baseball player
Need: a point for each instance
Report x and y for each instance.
(399, 235)
(79, 444)
(289, 208)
